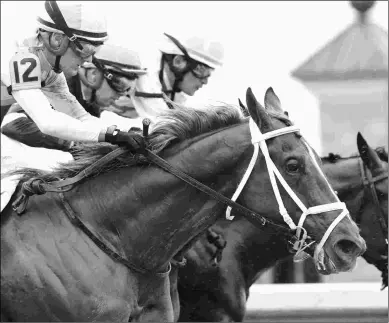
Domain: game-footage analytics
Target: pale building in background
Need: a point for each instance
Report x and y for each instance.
(349, 78)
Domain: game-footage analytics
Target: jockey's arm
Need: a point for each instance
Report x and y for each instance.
(56, 123)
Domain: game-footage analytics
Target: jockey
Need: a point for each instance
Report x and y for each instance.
(97, 85)
(68, 34)
(112, 73)
(185, 66)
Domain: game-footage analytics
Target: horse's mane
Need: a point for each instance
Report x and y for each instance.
(172, 126)
(333, 158)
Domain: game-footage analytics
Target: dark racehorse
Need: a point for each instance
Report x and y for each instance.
(209, 293)
(102, 250)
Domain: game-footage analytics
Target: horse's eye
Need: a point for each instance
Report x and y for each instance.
(292, 166)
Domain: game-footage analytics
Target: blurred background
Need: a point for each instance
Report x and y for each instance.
(326, 60)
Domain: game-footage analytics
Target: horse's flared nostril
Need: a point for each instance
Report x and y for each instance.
(349, 247)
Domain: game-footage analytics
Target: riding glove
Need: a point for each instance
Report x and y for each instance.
(131, 139)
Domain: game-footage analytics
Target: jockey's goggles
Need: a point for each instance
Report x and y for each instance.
(87, 49)
(120, 84)
(201, 71)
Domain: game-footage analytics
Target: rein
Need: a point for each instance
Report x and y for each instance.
(155, 159)
(37, 186)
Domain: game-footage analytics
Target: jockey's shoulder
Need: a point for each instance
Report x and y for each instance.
(17, 53)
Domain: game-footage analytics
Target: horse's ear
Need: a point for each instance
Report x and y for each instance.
(257, 111)
(272, 102)
(243, 109)
(369, 156)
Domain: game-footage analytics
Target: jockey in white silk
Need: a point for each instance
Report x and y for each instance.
(68, 34)
(185, 66)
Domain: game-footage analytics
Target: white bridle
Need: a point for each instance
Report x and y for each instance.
(258, 139)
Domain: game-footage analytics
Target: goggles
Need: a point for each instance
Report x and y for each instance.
(87, 50)
(201, 71)
(120, 84)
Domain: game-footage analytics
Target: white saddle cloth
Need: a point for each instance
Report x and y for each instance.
(15, 155)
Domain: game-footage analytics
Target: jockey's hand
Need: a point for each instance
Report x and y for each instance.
(132, 140)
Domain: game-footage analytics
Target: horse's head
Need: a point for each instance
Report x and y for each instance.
(305, 200)
(373, 214)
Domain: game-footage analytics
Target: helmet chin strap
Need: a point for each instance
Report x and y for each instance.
(179, 74)
(55, 14)
(178, 77)
(56, 67)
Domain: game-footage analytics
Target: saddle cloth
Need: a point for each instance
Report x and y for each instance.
(15, 155)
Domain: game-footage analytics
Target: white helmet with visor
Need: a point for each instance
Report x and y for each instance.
(84, 27)
(119, 65)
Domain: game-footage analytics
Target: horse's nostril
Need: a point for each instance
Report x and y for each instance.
(348, 247)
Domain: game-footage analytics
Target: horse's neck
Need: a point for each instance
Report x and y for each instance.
(255, 250)
(346, 179)
(147, 214)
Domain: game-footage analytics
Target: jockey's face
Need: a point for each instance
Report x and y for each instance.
(190, 83)
(105, 95)
(70, 62)
(73, 59)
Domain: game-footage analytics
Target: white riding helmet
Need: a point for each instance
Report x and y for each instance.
(79, 19)
(199, 49)
(120, 60)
